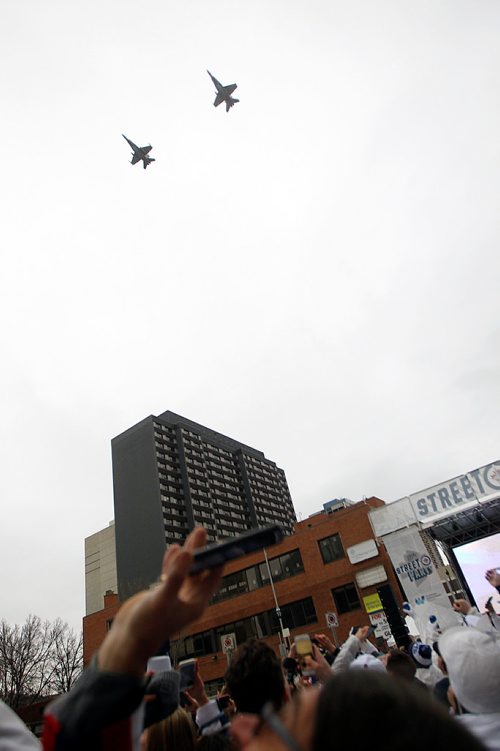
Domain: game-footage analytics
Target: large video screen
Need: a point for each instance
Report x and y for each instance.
(475, 558)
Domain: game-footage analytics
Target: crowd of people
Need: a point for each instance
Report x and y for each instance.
(445, 694)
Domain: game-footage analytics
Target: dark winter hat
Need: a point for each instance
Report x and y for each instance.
(422, 654)
(165, 688)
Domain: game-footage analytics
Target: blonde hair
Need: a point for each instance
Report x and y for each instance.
(174, 733)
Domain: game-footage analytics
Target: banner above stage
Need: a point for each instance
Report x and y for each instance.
(439, 501)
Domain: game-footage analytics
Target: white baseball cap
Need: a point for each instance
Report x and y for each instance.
(472, 660)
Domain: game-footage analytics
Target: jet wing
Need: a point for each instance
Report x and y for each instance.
(146, 149)
(136, 158)
(215, 81)
(219, 99)
(130, 143)
(229, 89)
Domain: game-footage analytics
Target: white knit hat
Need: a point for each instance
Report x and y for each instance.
(473, 663)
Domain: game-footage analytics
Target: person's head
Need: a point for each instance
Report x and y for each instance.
(473, 663)
(360, 710)
(355, 705)
(400, 665)
(421, 654)
(213, 742)
(174, 733)
(255, 677)
(440, 662)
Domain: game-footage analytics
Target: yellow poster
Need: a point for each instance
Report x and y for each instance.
(372, 603)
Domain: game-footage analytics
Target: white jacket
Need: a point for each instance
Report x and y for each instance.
(14, 735)
(486, 727)
(349, 651)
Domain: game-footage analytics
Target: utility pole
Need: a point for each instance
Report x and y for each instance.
(283, 644)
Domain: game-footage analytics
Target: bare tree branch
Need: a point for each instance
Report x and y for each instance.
(37, 659)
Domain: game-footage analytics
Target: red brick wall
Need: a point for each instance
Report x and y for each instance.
(317, 582)
(95, 626)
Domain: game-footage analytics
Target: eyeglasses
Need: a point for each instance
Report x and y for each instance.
(269, 717)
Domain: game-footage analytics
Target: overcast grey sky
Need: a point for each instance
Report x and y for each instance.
(314, 273)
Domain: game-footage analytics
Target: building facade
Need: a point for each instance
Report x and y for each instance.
(100, 567)
(171, 474)
(330, 565)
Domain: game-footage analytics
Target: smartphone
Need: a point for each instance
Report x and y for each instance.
(223, 701)
(354, 629)
(222, 552)
(188, 670)
(304, 647)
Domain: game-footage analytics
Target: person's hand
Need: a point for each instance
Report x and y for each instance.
(452, 700)
(493, 577)
(320, 666)
(198, 692)
(191, 704)
(461, 606)
(325, 642)
(362, 633)
(148, 618)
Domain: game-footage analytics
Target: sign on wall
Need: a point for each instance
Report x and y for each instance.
(372, 603)
(362, 551)
(228, 642)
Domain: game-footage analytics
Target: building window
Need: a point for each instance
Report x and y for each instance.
(346, 598)
(252, 578)
(331, 548)
(294, 615)
(196, 645)
(292, 563)
(243, 630)
(246, 580)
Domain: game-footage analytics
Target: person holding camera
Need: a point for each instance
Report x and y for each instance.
(98, 712)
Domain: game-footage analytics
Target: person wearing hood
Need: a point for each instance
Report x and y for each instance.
(357, 643)
(472, 659)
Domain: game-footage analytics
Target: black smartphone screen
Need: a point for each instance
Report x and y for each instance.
(220, 553)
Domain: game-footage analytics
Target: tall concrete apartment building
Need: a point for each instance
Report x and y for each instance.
(171, 474)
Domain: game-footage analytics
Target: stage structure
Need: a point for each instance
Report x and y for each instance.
(441, 541)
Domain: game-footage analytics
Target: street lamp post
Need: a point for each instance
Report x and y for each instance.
(277, 609)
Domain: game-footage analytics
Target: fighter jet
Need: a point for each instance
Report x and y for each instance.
(140, 152)
(224, 93)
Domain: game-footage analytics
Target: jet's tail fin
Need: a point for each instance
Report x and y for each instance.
(147, 160)
(230, 102)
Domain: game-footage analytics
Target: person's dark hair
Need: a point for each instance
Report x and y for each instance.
(214, 742)
(174, 733)
(401, 665)
(255, 677)
(360, 705)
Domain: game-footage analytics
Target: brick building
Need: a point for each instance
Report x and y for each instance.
(329, 565)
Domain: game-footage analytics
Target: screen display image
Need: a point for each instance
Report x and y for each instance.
(475, 558)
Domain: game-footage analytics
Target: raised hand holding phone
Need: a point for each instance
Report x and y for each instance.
(146, 619)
